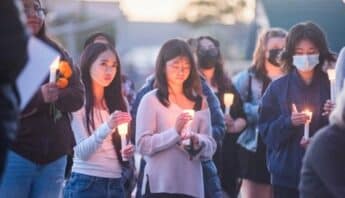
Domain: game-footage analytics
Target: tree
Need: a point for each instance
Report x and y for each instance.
(218, 11)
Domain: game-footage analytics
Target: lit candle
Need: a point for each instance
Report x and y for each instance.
(228, 101)
(53, 69)
(306, 125)
(123, 129)
(331, 77)
(188, 129)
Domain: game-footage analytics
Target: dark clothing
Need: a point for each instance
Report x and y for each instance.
(253, 164)
(284, 151)
(41, 139)
(227, 160)
(283, 192)
(218, 126)
(13, 48)
(251, 84)
(323, 171)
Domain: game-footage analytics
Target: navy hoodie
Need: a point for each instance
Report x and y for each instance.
(284, 152)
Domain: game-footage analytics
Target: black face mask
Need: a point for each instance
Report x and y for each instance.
(273, 56)
(207, 57)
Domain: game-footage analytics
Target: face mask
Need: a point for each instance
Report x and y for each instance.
(207, 58)
(273, 56)
(306, 62)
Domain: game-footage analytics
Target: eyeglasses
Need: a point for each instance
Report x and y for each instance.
(38, 11)
(177, 68)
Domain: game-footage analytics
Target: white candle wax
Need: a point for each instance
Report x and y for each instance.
(228, 101)
(331, 77)
(187, 128)
(53, 69)
(306, 125)
(123, 129)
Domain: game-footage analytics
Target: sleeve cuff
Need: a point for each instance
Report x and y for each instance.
(102, 132)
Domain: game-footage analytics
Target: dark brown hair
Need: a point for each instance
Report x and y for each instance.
(91, 38)
(220, 78)
(192, 85)
(306, 31)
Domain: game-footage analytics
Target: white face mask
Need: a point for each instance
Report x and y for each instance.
(306, 62)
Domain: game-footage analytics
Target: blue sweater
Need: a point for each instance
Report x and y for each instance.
(284, 153)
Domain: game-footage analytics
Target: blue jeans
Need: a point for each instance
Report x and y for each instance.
(85, 186)
(212, 185)
(23, 178)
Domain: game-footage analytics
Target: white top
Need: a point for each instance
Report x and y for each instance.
(169, 168)
(94, 155)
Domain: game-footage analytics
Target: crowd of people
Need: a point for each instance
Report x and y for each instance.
(281, 136)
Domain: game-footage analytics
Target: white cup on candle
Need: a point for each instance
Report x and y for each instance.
(123, 130)
(306, 125)
(331, 77)
(53, 69)
(228, 101)
(187, 128)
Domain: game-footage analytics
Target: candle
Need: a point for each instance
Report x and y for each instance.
(228, 101)
(188, 129)
(123, 129)
(331, 77)
(306, 125)
(53, 69)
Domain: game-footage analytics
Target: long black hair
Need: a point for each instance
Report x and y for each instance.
(220, 78)
(112, 93)
(306, 31)
(191, 86)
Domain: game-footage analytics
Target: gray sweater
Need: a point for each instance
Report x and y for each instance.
(169, 168)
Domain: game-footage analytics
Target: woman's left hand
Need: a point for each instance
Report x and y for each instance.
(128, 151)
(195, 140)
(328, 107)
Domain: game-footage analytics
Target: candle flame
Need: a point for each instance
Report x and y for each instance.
(308, 113)
(331, 74)
(228, 99)
(123, 129)
(55, 63)
(191, 112)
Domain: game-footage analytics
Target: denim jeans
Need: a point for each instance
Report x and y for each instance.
(85, 186)
(212, 185)
(24, 179)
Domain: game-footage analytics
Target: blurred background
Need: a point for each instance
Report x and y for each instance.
(140, 27)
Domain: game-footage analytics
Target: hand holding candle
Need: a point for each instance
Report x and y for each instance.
(306, 125)
(187, 128)
(331, 77)
(228, 101)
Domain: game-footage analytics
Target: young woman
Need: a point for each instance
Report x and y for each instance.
(97, 165)
(211, 67)
(174, 169)
(282, 117)
(251, 85)
(37, 158)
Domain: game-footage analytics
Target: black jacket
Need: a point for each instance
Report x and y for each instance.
(13, 44)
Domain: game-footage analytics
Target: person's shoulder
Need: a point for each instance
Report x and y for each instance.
(150, 96)
(282, 81)
(328, 138)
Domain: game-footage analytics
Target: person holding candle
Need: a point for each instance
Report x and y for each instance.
(251, 84)
(37, 157)
(281, 119)
(171, 170)
(323, 170)
(211, 66)
(98, 155)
